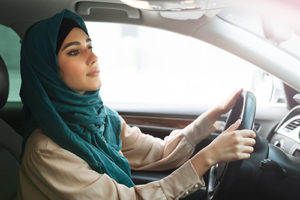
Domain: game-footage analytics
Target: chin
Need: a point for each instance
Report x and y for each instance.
(96, 87)
(99, 85)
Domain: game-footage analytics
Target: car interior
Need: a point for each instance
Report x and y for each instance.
(272, 172)
(10, 145)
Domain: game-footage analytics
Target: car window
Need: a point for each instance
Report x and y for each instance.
(10, 53)
(146, 65)
(136, 60)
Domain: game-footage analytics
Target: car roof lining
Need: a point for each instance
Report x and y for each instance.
(99, 11)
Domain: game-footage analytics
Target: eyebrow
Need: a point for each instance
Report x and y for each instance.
(75, 43)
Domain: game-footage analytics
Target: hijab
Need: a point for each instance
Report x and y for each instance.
(81, 124)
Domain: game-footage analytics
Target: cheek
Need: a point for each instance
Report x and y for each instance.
(71, 70)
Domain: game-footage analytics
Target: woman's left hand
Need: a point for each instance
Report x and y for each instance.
(223, 107)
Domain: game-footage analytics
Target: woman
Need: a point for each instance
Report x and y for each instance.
(77, 148)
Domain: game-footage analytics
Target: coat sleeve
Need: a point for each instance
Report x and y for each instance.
(51, 172)
(145, 152)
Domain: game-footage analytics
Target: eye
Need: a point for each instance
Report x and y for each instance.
(73, 53)
(90, 48)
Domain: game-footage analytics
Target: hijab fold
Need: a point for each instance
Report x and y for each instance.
(78, 123)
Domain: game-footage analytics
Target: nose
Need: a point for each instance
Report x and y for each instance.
(92, 58)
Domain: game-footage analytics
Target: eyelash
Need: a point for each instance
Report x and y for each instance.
(76, 51)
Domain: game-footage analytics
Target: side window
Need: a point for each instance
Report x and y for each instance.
(10, 53)
(146, 65)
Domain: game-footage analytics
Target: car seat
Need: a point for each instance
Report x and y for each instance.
(10, 145)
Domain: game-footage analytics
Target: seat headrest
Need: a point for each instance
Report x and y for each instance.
(4, 83)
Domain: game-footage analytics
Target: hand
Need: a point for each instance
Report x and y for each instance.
(223, 107)
(231, 145)
(228, 103)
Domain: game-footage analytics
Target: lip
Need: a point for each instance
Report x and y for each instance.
(94, 73)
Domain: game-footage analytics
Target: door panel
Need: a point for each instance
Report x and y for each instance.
(160, 124)
(167, 122)
(157, 126)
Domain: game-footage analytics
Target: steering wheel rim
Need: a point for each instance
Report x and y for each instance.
(244, 109)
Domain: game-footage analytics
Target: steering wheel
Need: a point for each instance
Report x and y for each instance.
(223, 174)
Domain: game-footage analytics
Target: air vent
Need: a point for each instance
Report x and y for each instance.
(292, 125)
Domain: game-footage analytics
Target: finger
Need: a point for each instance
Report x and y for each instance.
(248, 141)
(245, 149)
(234, 126)
(232, 100)
(243, 156)
(240, 90)
(239, 156)
(247, 133)
(237, 93)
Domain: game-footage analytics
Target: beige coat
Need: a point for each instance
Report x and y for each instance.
(51, 172)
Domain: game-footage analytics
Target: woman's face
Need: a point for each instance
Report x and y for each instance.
(78, 65)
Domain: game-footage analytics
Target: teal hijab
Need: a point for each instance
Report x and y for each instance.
(78, 123)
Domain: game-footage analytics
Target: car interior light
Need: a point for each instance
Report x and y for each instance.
(177, 5)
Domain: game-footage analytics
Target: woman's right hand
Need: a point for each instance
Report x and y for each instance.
(230, 145)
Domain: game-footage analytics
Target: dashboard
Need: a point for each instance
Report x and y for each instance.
(287, 133)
